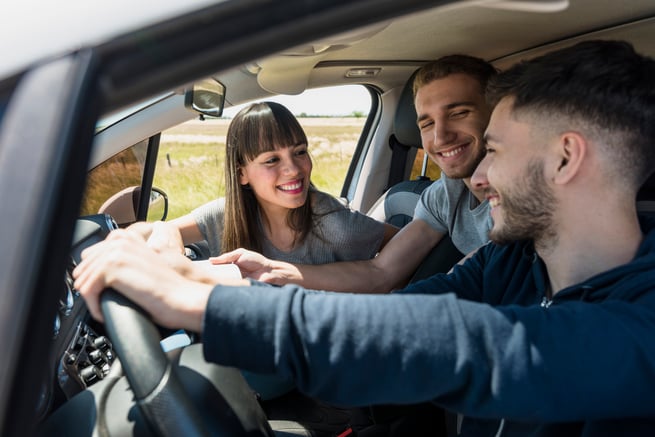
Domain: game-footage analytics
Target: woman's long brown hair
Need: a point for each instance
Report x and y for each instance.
(258, 128)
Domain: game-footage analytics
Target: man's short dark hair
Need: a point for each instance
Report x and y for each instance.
(477, 68)
(604, 85)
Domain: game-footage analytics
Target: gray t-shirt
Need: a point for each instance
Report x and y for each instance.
(450, 208)
(339, 233)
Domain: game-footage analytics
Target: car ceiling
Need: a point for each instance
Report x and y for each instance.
(500, 31)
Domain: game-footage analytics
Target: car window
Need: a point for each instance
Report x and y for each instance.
(123, 170)
(190, 164)
(432, 170)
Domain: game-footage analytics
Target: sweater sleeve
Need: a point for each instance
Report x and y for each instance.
(345, 234)
(210, 220)
(568, 362)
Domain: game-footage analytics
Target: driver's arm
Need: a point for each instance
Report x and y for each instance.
(389, 270)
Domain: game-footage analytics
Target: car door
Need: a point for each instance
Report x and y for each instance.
(46, 128)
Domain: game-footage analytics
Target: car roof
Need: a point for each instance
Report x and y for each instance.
(497, 30)
(34, 30)
(384, 54)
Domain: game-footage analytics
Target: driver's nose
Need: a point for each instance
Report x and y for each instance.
(479, 181)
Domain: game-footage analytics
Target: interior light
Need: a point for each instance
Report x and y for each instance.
(526, 5)
(362, 72)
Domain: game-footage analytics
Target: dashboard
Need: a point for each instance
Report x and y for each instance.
(85, 391)
(82, 355)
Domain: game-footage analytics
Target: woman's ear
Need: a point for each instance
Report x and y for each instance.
(243, 177)
(571, 151)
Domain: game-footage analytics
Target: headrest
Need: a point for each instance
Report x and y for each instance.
(404, 123)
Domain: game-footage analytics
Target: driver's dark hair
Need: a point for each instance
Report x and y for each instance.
(603, 86)
(257, 128)
(477, 68)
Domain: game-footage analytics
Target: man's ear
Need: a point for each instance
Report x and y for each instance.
(571, 151)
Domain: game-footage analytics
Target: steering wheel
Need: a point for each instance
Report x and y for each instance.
(160, 392)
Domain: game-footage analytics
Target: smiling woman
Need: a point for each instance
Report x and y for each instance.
(272, 207)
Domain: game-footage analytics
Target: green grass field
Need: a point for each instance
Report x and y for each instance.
(191, 158)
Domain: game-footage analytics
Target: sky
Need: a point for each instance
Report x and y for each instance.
(332, 101)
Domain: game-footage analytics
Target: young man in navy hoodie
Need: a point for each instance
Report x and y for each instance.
(548, 330)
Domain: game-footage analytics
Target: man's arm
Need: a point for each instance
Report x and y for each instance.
(470, 357)
(389, 232)
(390, 269)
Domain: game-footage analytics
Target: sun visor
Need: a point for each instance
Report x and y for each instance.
(286, 74)
(289, 71)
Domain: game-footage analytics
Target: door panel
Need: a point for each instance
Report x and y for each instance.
(45, 135)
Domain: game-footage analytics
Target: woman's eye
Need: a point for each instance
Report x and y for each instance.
(272, 160)
(301, 152)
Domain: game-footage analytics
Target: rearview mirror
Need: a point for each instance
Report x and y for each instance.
(206, 97)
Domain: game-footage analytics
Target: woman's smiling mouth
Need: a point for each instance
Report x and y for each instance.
(293, 187)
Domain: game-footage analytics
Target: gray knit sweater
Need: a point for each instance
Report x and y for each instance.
(339, 234)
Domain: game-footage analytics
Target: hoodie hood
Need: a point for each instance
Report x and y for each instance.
(628, 281)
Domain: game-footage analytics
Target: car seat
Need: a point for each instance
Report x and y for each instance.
(396, 205)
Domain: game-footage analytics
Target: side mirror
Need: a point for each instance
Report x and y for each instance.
(123, 206)
(158, 205)
(206, 97)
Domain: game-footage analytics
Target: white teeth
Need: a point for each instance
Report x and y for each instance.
(452, 152)
(290, 187)
(494, 202)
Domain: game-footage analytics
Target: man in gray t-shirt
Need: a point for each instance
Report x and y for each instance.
(449, 207)
(452, 115)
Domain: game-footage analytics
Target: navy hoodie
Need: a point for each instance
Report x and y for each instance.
(482, 341)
